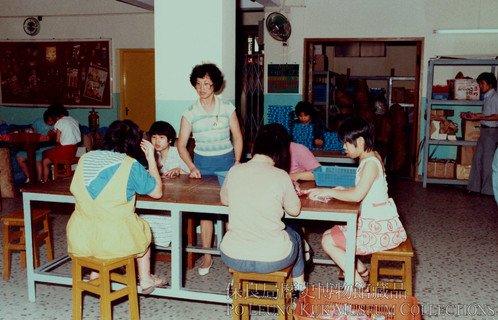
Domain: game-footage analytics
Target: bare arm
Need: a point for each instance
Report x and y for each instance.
(183, 136)
(303, 176)
(478, 116)
(236, 137)
(149, 151)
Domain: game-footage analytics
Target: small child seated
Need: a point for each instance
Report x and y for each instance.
(44, 127)
(162, 136)
(67, 136)
(306, 114)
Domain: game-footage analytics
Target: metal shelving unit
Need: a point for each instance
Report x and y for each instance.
(327, 78)
(430, 103)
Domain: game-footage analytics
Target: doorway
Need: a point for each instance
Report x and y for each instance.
(138, 98)
(377, 79)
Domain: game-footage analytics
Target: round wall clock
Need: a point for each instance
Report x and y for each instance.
(31, 26)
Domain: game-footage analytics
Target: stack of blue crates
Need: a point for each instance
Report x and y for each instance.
(331, 141)
(303, 134)
(282, 115)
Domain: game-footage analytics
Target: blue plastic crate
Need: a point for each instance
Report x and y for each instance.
(333, 176)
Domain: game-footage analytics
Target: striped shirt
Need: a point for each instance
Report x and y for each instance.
(211, 131)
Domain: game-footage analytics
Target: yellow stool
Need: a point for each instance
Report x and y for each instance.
(102, 285)
(14, 239)
(402, 253)
(251, 289)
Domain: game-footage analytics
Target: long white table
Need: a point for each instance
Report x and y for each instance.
(180, 195)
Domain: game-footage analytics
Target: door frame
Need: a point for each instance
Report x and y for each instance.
(417, 120)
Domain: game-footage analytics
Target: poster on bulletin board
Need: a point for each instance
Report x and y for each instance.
(76, 73)
(283, 78)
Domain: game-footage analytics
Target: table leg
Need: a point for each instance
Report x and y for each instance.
(28, 235)
(176, 250)
(350, 254)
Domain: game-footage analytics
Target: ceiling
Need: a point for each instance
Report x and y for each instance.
(244, 4)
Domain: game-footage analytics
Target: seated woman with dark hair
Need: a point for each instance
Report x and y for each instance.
(104, 224)
(258, 194)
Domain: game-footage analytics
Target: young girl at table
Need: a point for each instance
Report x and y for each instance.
(104, 223)
(42, 126)
(379, 227)
(67, 136)
(162, 135)
(258, 193)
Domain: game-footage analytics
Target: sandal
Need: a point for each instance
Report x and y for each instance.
(157, 282)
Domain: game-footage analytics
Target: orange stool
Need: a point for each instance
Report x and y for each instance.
(402, 254)
(102, 285)
(251, 289)
(14, 239)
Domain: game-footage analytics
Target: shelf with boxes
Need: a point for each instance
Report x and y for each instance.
(440, 130)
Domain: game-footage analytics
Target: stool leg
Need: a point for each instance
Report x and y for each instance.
(48, 239)
(132, 285)
(245, 309)
(374, 273)
(6, 253)
(408, 277)
(288, 301)
(105, 295)
(236, 295)
(76, 291)
(22, 241)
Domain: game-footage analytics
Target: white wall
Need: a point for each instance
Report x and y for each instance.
(127, 27)
(388, 19)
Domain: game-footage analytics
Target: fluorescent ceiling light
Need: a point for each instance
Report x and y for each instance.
(462, 31)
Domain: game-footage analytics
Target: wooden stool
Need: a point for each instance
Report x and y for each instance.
(14, 238)
(102, 285)
(251, 289)
(62, 168)
(402, 253)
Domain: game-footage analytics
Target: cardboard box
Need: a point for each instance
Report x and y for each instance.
(321, 63)
(442, 113)
(464, 89)
(441, 168)
(463, 171)
(465, 154)
(471, 130)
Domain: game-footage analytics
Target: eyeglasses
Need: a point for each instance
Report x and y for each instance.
(203, 84)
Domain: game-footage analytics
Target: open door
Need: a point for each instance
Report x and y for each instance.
(138, 96)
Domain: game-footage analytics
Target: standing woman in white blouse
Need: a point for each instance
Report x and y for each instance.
(215, 128)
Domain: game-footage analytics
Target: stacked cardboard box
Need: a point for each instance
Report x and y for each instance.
(441, 168)
(463, 89)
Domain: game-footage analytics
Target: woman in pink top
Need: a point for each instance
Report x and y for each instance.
(258, 194)
(303, 162)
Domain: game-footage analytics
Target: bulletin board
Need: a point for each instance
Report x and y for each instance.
(283, 78)
(76, 73)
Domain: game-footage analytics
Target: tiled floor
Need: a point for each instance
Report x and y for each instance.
(453, 233)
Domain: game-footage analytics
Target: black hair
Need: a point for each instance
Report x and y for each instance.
(210, 69)
(47, 116)
(306, 108)
(353, 128)
(487, 77)
(123, 136)
(57, 110)
(163, 128)
(273, 140)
